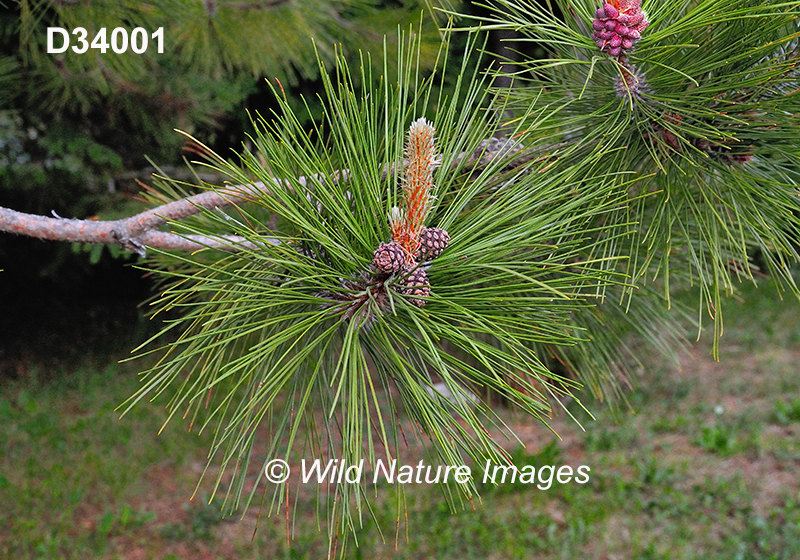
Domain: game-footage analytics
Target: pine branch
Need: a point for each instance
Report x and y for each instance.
(137, 232)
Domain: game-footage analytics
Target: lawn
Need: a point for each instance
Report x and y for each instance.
(704, 466)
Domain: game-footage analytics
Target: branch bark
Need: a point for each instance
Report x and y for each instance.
(139, 231)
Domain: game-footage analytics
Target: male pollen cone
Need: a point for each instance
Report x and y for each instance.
(618, 26)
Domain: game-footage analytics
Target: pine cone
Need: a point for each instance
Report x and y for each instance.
(389, 257)
(432, 241)
(618, 28)
(416, 284)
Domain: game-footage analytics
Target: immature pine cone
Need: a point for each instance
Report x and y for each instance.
(389, 257)
(618, 26)
(416, 284)
(432, 241)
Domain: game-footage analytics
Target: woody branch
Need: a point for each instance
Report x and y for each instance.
(135, 232)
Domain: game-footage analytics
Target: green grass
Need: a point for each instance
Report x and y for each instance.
(703, 468)
(72, 474)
